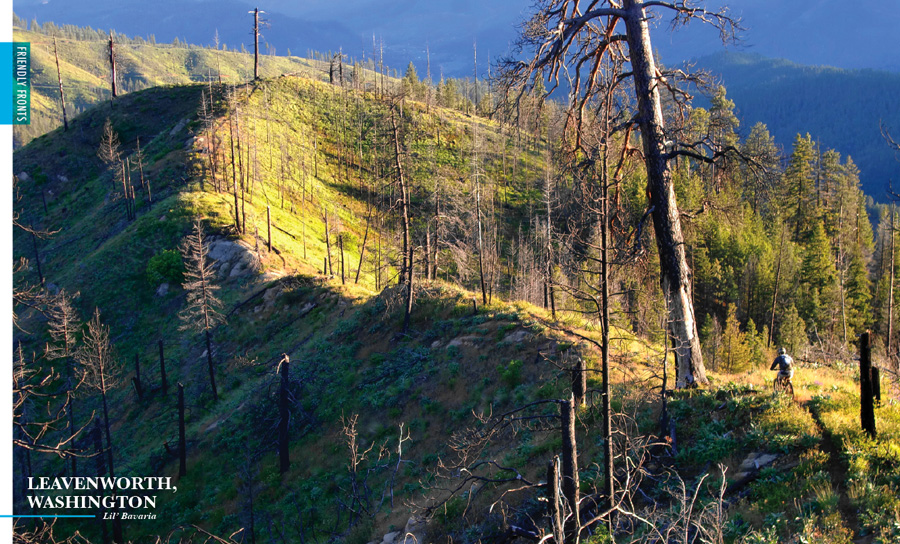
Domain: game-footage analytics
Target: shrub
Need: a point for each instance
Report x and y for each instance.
(165, 266)
(511, 375)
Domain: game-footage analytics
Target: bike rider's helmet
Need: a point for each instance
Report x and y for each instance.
(782, 351)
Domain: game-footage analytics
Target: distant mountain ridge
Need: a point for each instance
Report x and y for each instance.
(841, 109)
(806, 32)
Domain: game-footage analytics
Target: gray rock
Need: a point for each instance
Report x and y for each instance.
(224, 251)
(238, 270)
(271, 275)
(23, 176)
(53, 288)
(178, 127)
(62, 178)
(464, 341)
(308, 307)
(765, 459)
(517, 337)
(163, 290)
(414, 533)
(756, 461)
(389, 538)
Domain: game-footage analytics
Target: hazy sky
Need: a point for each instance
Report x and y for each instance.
(859, 34)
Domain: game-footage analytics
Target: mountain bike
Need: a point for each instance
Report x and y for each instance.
(782, 384)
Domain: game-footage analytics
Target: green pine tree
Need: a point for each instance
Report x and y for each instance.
(734, 353)
(798, 184)
(792, 332)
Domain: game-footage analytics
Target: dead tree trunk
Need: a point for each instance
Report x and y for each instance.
(362, 249)
(609, 469)
(138, 387)
(328, 244)
(341, 248)
(866, 402)
(256, 44)
(182, 443)
(269, 226)
(237, 210)
(570, 470)
(404, 197)
(675, 276)
(579, 381)
(553, 499)
(37, 258)
(283, 456)
(112, 65)
(409, 294)
(62, 96)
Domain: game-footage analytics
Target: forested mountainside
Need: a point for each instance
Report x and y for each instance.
(408, 296)
(842, 109)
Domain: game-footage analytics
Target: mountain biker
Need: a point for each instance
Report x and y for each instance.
(784, 363)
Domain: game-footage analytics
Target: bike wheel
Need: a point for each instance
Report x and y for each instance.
(776, 386)
(789, 389)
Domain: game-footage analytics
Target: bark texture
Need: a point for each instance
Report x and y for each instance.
(675, 275)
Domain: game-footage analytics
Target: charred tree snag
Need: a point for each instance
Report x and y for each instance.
(112, 65)
(255, 44)
(675, 276)
(283, 453)
(404, 197)
(866, 400)
(570, 470)
(62, 96)
(553, 500)
(269, 227)
(577, 40)
(138, 387)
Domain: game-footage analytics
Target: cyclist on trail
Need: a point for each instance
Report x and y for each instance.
(784, 363)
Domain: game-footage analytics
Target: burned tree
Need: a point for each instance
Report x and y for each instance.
(64, 323)
(100, 371)
(575, 39)
(112, 65)
(201, 313)
(62, 96)
(109, 151)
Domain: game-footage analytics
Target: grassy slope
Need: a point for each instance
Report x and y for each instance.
(347, 357)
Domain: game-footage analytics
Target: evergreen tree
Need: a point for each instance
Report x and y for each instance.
(792, 333)
(734, 353)
(858, 294)
(410, 82)
(756, 342)
(797, 186)
(760, 182)
(817, 277)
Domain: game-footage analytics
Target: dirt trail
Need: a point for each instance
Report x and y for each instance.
(837, 471)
